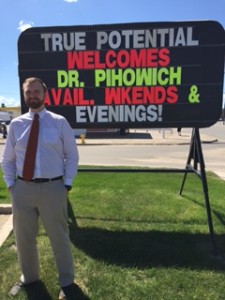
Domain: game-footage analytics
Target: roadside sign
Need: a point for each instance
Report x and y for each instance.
(165, 74)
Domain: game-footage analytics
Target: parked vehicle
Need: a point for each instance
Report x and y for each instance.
(6, 116)
(3, 129)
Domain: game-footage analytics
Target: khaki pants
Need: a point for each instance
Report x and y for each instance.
(49, 201)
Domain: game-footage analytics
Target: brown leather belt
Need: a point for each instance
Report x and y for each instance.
(41, 180)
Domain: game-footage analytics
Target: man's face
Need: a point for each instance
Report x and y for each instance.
(34, 94)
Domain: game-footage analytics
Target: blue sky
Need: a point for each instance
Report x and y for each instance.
(17, 15)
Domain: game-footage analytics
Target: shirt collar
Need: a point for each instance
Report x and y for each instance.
(41, 113)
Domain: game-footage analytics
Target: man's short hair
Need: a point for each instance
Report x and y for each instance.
(34, 79)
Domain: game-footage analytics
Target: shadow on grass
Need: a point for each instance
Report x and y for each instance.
(147, 249)
(220, 216)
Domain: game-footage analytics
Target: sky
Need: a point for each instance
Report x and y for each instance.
(18, 15)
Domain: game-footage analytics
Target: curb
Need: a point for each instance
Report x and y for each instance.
(6, 224)
(150, 141)
(5, 209)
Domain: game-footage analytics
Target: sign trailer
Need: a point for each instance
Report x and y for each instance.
(134, 75)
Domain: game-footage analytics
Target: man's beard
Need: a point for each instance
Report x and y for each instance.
(34, 103)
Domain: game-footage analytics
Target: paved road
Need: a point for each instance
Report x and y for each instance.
(153, 148)
(169, 152)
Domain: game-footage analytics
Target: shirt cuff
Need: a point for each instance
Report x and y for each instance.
(10, 183)
(68, 181)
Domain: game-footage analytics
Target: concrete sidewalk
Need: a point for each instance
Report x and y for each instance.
(143, 137)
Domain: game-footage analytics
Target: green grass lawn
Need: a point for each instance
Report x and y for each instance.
(135, 238)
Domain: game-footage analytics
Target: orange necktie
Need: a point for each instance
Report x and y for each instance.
(30, 156)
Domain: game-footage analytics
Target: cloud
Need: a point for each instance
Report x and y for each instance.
(71, 1)
(24, 25)
(9, 101)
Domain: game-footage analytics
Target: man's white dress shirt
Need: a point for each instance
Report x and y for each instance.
(57, 153)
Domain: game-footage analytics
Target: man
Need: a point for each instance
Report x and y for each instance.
(45, 194)
(179, 130)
